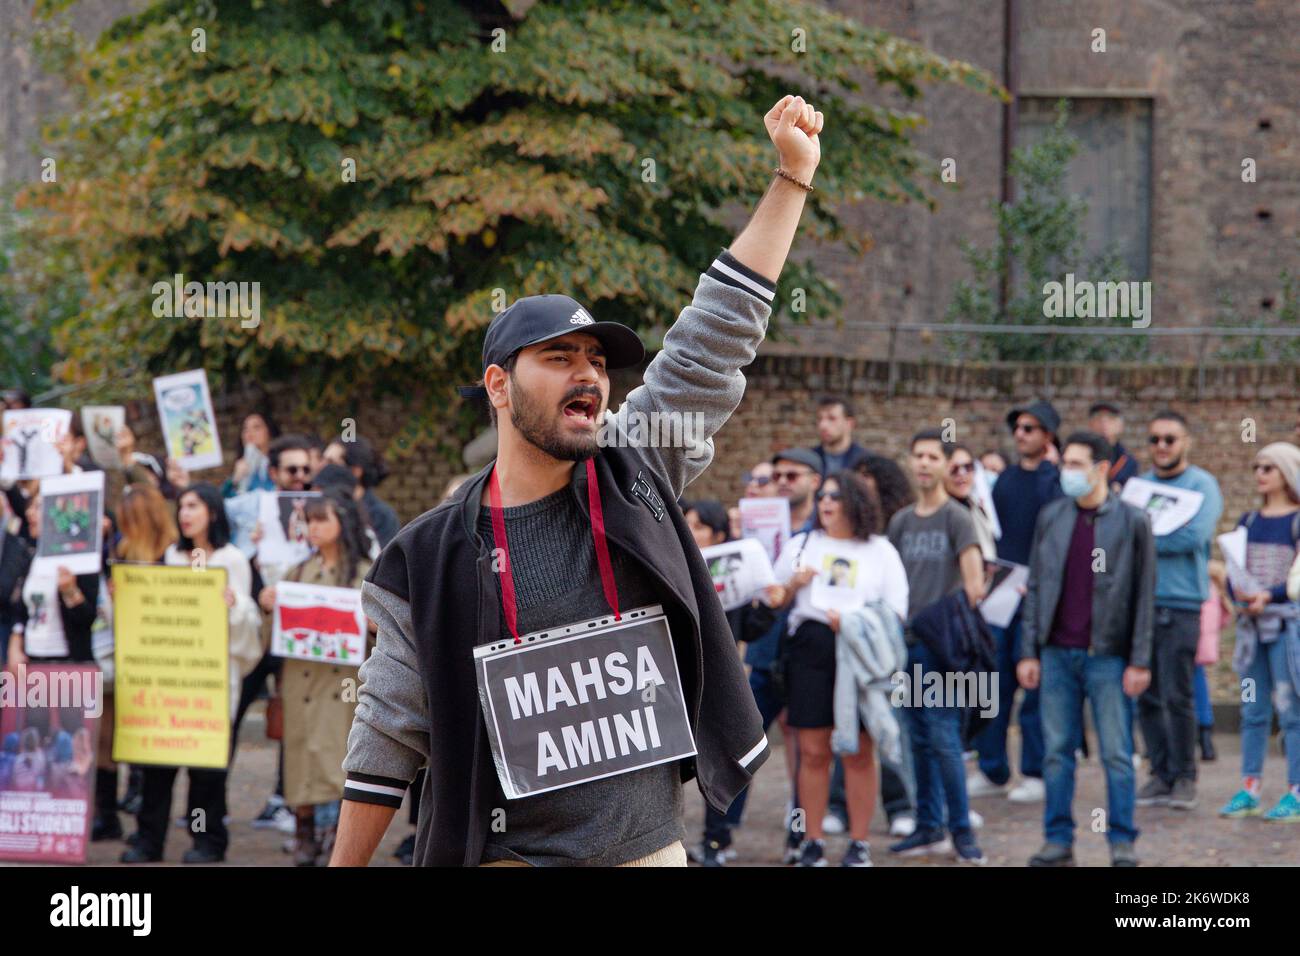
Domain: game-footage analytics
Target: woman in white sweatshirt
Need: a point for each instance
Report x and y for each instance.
(205, 538)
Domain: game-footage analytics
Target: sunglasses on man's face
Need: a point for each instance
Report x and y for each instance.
(967, 469)
(789, 475)
(1028, 428)
(296, 469)
(1162, 439)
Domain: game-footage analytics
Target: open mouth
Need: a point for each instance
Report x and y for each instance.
(583, 408)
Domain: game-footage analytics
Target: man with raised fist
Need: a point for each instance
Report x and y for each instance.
(550, 642)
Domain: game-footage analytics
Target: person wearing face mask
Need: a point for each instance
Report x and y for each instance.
(1087, 633)
(1167, 709)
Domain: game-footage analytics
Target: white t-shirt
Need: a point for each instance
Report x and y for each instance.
(850, 574)
(43, 635)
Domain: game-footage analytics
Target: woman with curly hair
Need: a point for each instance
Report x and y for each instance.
(890, 483)
(843, 564)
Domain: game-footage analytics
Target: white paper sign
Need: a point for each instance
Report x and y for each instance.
(189, 425)
(315, 622)
(1168, 506)
(1002, 602)
(982, 490)
(740, 569)
(72, 523)
(283, 517)
(101, 423)
(767, 520)
(31, 442)
(1233, 546)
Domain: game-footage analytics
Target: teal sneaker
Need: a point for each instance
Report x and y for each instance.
(1242, 804)
(1286, 811)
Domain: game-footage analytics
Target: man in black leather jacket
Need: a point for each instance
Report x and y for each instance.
(1087, 632)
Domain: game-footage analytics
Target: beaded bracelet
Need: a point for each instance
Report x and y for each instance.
(806, 187)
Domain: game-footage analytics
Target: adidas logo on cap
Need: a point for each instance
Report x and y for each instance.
(581, 317)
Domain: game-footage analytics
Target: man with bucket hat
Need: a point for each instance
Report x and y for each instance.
(1019, 494)
(513, 617)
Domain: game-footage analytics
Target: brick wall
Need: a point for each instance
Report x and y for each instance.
(779, 410)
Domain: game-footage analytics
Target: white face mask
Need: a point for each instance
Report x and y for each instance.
(1075, 483)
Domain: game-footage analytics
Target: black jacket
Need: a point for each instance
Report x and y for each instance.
(1123, 595)
(955, 634)
(441, 555)
(854, 456)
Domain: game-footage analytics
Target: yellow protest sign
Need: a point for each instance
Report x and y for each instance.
(172, 666)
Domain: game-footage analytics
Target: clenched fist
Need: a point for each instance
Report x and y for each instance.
(793, 126)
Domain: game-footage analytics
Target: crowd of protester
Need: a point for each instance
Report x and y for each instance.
(161, 516)
(1111, 614)
(913, 552)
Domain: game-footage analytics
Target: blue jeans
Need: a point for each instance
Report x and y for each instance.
(1069, 675)
(718, 826)
(992, 740)
(1273, 688)
(936, 756)
(1201, 690)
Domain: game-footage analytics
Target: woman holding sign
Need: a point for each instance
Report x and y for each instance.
(843, 564)
(317, 712)
(204, 543)
(1267, 651)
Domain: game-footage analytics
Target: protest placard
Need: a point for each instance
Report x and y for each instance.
(283, 517)
(31, 442)
(314, 622)
(188, 423)
(47, 769)
(583, 702)
(1004, 597)
(1168, 506)
(767, 520)
(101, 423)
(72, 523)
(740, 569)
(171, 660)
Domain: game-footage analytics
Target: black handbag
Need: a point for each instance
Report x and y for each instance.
(780, 685)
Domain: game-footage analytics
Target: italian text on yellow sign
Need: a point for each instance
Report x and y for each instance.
(172, 666)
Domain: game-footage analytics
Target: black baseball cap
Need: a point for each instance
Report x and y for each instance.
(800, 456)
(539, 318)
(1104, 407)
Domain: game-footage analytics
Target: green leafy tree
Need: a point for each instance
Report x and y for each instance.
(1039, 239)
(30, 307)
(603, 149)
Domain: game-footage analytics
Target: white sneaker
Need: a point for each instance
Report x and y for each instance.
(832, 825)
(284, 820)
(976, 819)
(1029, 790)
(978, 785)
(903, 825)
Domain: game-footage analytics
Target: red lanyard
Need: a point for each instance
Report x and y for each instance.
(597, 537)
